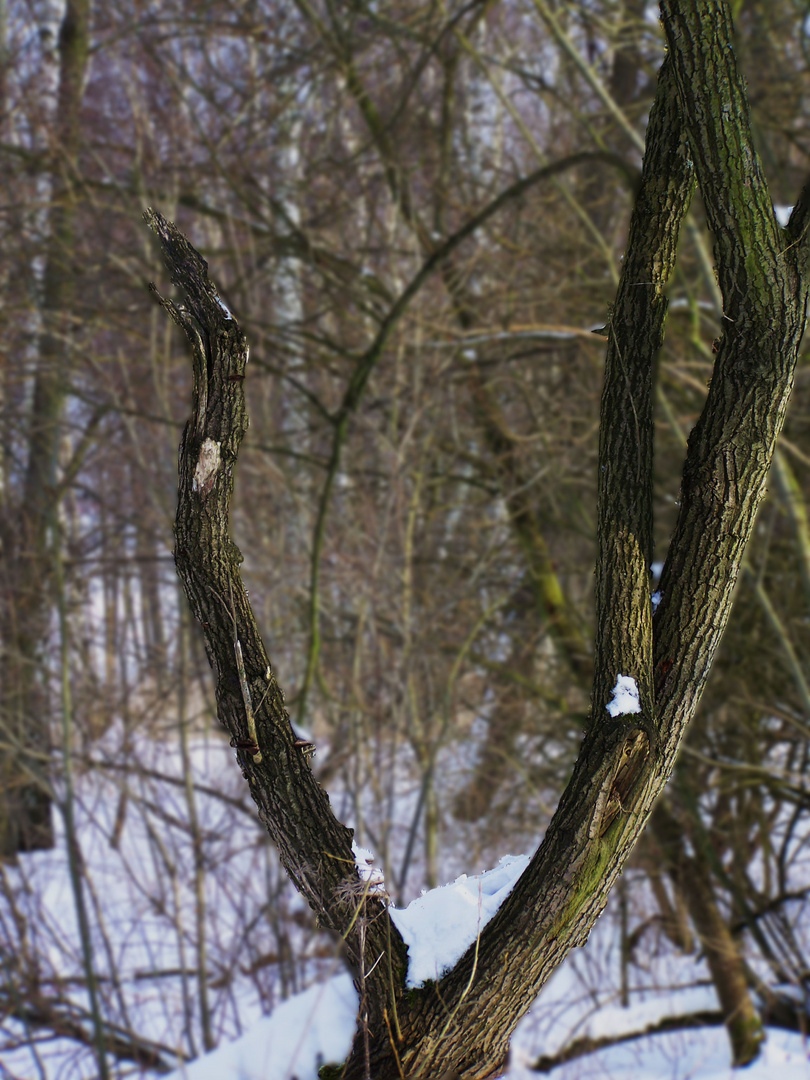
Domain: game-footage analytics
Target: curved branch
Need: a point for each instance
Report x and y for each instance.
(765, 299)
(587, 1044)
(314, 847)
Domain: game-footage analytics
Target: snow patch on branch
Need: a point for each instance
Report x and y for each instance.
(625, 698)
(439, 926)
(369, 873)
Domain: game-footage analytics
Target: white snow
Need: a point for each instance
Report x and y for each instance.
(146, 926)
(364, 860)
(306, 1031)
(692, 1054)
(625, 697)
(317, 1026)
(782, 213)
(439, 926)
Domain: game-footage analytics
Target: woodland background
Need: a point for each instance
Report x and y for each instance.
(418, 533)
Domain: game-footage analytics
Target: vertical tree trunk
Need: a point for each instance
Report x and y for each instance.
(25, 802)
(692, 877)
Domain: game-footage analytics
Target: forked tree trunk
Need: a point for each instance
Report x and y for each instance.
(462, 1025)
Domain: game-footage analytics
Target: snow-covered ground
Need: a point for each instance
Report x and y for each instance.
(271, 1019)
(316, 1026)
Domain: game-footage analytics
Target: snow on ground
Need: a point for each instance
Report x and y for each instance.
(689, 1055)
(133, 828)
(143, 914)
(316, 1027)
(308, 1030)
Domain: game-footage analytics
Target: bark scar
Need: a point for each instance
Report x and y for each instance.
(207, 467)
(616, 795)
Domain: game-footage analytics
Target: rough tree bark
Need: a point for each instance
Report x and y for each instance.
(461, 1027)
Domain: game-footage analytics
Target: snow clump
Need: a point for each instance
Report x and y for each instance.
(625, 697)
(439, 926)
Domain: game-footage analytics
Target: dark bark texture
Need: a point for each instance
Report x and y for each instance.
(698, 131)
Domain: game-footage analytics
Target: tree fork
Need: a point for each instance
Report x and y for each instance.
(462, 1025)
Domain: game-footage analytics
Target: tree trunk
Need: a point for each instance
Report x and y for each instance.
(462, 1025)
(25, 801)
(692, 878)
